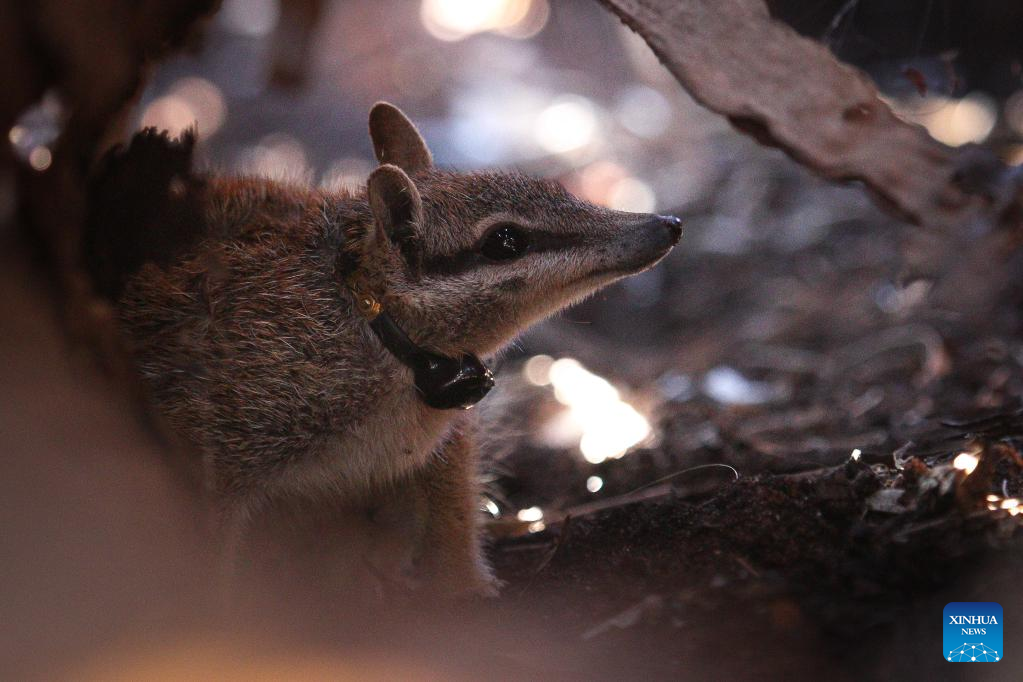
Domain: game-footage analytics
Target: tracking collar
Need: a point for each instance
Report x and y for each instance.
(442, 382)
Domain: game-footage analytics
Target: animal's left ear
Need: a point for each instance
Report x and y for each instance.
(397, 214)
(396, 140)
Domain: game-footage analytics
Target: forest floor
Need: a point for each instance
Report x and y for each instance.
(799, 549)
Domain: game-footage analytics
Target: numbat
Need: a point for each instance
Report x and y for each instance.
(318, 346)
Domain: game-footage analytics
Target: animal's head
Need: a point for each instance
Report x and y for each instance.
(466, 261)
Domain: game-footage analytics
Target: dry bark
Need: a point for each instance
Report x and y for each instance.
(791, 92)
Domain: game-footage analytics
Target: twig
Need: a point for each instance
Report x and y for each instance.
(836, 22)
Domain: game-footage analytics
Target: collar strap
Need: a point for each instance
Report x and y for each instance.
(442, 382)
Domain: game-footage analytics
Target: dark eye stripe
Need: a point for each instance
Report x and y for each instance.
(505, 242)
(468, 259)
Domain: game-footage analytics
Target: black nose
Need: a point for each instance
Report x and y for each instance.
(674, 226)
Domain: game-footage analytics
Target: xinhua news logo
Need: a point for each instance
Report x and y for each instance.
(973, 632)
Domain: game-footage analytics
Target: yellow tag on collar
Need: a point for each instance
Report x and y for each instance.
(367, 304)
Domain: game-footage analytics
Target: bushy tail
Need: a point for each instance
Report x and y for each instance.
(144, 205)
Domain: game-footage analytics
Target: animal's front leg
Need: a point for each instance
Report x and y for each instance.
(449, 555)
(231, 521)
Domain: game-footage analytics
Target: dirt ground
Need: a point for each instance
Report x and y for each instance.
(813, 371)
(801, 553)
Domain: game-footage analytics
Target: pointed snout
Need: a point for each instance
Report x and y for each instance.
(659, 233)
(647, 240)
(667, 225)
(673, 225)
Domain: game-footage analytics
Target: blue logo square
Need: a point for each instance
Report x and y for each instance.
(973, 632)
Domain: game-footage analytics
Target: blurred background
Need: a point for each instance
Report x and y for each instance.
(789, 331)
(778, 277)
(560, 91)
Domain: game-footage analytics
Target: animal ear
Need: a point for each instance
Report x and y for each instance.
(397, 213)
(396, 140)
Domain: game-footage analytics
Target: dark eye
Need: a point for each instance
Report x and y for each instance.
(505, 242)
